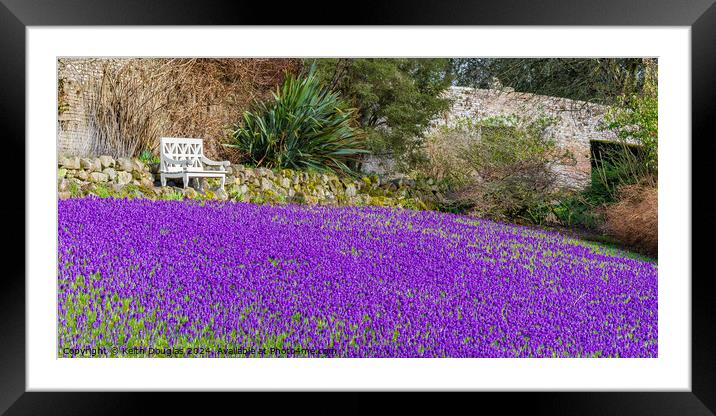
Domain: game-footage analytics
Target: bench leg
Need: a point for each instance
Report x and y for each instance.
(186, 181)
(163, 180)
(223, 181)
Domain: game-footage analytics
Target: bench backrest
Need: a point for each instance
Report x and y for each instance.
(180, 148)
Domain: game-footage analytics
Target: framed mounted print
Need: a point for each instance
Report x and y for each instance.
(397, 206)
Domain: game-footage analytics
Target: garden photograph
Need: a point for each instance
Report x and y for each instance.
(357, 207)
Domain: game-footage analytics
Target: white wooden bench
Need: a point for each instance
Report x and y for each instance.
(184, 158)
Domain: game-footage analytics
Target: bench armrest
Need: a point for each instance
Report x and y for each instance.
(210, 162)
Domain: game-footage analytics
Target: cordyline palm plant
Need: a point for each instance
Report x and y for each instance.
(304, 126)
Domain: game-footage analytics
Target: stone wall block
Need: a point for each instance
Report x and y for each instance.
(111, 173)
(123, 177)
(125, 164)
(99, 177)
(107, 161)
(72, 162)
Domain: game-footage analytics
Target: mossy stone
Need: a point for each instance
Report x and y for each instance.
(299, 198)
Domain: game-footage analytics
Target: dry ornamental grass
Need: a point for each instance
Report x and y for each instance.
(133, 102)
(634, 218)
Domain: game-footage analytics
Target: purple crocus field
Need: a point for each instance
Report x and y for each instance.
(236, 279)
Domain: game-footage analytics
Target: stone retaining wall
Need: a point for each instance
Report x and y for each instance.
(105, 176)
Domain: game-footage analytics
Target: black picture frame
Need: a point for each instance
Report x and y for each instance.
(699, 15)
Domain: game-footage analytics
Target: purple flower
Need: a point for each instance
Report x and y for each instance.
(362, 281)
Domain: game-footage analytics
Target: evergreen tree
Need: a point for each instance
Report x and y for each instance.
(396, 98)
(599, 80)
